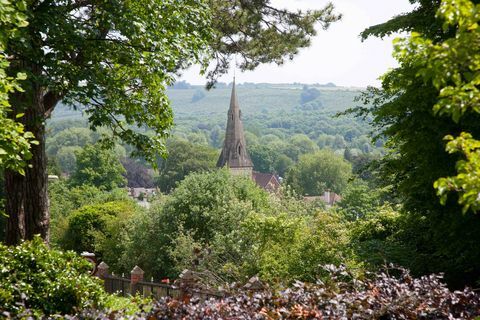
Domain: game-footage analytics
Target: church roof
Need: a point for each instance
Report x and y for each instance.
(234, 152)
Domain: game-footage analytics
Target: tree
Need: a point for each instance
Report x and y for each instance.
(260, 33)
(69, 137)
(113, 58)
(300, 144)
(66, 159)
(282, 164)
(137, 173)
(358, 200)
(184, 158)
(97, 228)
(315, 173)
(116, 58)
(263, 157)
(202, 206)
(403, 113)
(14, 141)
(451, 65)
(99, 168)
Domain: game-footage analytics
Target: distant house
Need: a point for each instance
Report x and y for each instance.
(141, 193)
(267, 181)
(329, 197)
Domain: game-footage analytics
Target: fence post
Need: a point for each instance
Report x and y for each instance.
(90, 257)
(102, 270)
(186, 282)
(136, 275)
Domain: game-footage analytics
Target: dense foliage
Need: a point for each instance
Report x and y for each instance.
(14, 141)
(98, 228)
(36, 281)
(434, 73)
(184, 157)
(98, 167)
(316, 173)
(227, 227)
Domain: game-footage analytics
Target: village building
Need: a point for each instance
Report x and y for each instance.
(235, 156)
(328, 197)
(234, 153)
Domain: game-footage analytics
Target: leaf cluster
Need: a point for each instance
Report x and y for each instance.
(37, 281)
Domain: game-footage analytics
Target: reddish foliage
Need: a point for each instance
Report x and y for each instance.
(381, 297)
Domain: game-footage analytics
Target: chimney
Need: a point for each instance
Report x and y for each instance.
(328, 196)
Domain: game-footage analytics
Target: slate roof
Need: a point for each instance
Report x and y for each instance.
(234, 152)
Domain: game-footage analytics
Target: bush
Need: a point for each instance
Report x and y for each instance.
(377, 239)
(99, 228)
(37, 281)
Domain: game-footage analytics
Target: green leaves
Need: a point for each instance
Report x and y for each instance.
(452, 66)
(467, 181)
(43, 282)
(98, 167)
(317, 172)
(14, 141)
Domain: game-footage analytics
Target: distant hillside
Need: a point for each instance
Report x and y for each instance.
(267, 109)
(254, 98)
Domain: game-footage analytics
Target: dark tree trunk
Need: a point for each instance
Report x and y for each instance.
(27, 204)
(14, 207)
(37, 213)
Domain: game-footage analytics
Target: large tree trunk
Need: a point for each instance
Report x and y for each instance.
(37, 213)
(26, 197)
(14, 207)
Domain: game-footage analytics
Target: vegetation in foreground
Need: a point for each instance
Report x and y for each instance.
(33, 286)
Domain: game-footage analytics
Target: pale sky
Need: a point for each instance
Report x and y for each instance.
(336, 55)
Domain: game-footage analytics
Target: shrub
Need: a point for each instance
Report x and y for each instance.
(98, 228)
(375, 239)
(37, 281)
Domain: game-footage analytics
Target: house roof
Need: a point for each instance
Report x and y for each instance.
(234, 152)
(264, 179)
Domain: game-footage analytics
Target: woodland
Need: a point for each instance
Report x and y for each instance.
(89, 107)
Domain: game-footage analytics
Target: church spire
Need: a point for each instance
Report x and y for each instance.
(234, 153)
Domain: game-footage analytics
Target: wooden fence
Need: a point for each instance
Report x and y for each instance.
(185, 289)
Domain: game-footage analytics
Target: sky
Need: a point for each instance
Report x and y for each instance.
(336, 55)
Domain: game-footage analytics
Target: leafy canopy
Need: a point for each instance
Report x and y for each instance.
(317, 172)
(98, 167)
(453, 66)
(114, 58)
(14, 141)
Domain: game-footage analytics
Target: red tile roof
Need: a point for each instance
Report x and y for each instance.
(267, 181)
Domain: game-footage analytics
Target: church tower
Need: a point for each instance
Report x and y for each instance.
(234, 153)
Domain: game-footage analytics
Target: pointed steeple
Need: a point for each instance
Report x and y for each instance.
(234, 153)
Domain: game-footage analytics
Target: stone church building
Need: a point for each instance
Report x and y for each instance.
(234, 153)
